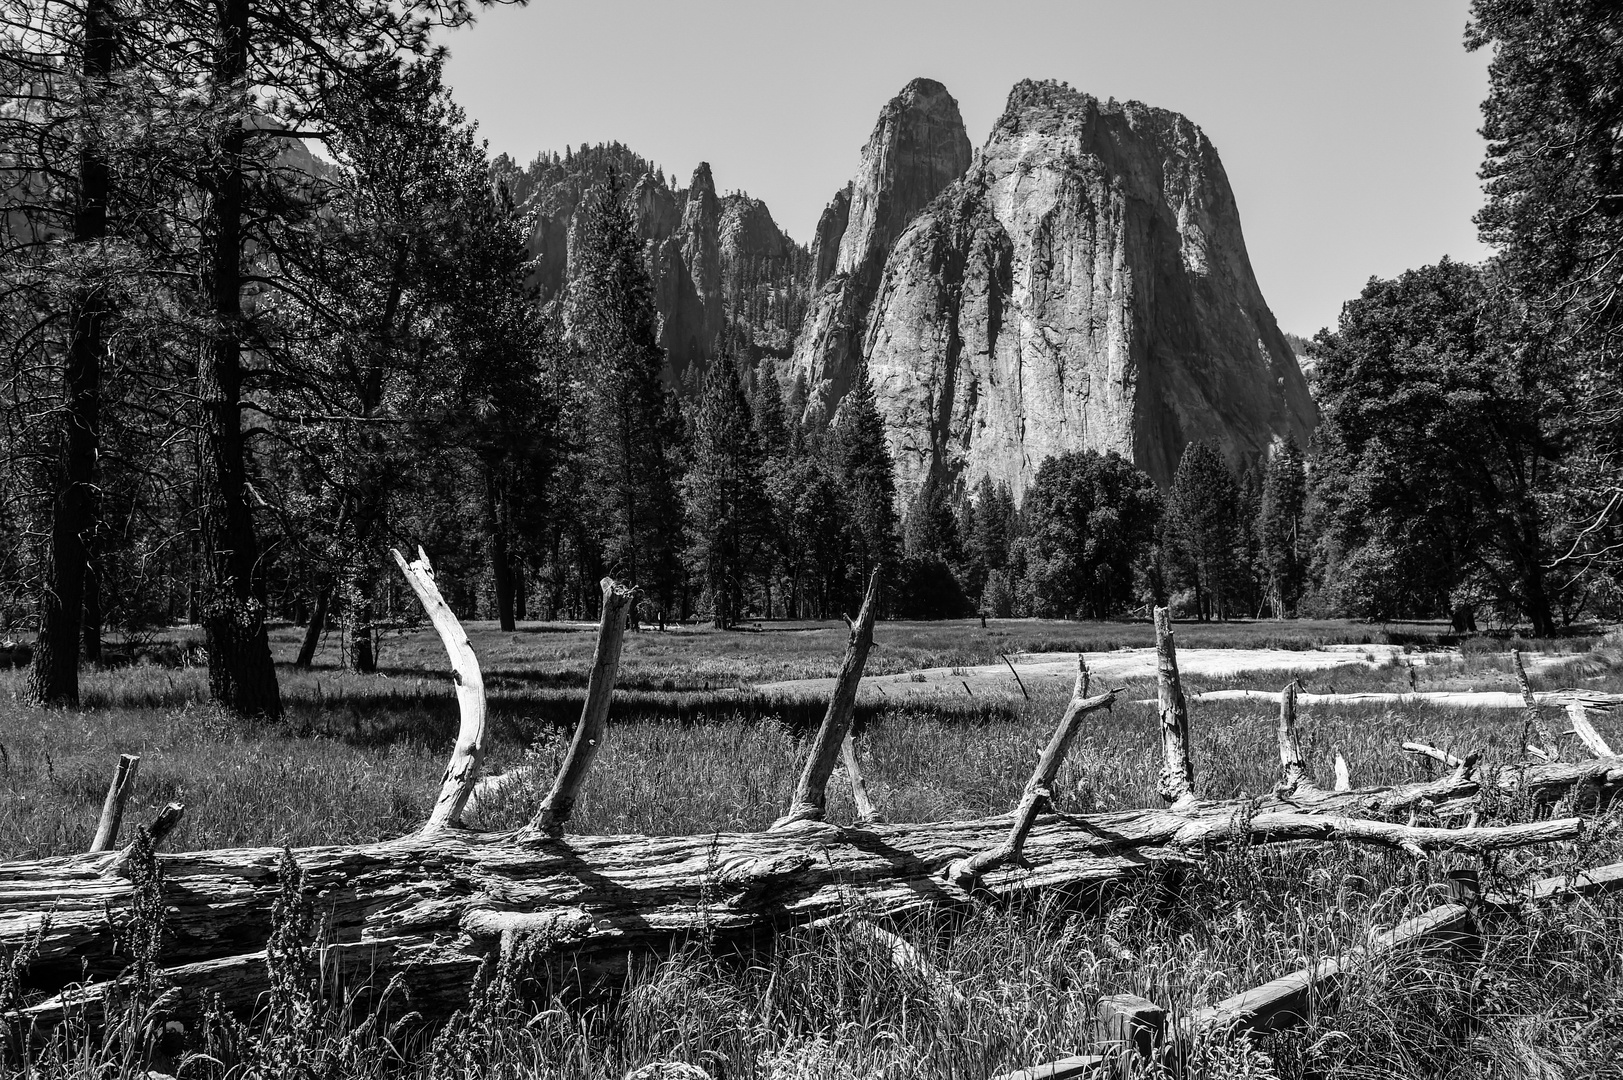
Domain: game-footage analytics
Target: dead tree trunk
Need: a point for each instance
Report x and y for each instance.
(316, 627)
(431, 906)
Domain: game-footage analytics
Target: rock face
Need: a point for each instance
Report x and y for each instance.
(1084, 285)
(725, 277)
(917, 148)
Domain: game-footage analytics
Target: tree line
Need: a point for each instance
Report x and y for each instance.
(269, 309)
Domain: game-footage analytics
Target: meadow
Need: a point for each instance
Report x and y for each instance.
(692, 749)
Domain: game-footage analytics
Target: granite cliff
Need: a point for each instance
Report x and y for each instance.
(917, 148)
(1084, 285)
(1081, 282)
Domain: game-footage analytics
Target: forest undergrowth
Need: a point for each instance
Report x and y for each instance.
(359, 759)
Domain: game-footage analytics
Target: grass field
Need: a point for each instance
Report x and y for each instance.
(359, 758)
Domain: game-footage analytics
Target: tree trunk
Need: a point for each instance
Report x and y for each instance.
(358, 606)
(313, 631)
(91, 623)
(54, 677)
(501, 559)
(241, 675)
(521, 594)
(1531, 557)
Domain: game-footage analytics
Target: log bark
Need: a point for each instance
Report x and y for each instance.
(431, 906)
(1177, 782)
(1291, 764)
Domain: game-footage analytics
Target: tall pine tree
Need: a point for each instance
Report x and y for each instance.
(860, 463)
(623, 431)
(1204, 528)
(727, 511)
(1279, 527)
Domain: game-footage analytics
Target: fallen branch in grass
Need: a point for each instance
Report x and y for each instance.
(1293, 1000)
(431, 907)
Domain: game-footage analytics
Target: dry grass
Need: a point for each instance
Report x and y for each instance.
(358, 759)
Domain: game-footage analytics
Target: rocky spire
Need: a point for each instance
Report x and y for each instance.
(917, 148)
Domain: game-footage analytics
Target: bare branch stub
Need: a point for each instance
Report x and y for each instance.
(462, 771)
(559, 804)
(1535, 716)
(112, 809)
(1177, 782)
(866, 814)
(811, 793)
(1297, 777)
(1442, 757)
(1592, 739)
(1038, 789)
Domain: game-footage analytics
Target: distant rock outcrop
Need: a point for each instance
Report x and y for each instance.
(1082, 282)
(1084, 285)
(725, 277)
(917, 148)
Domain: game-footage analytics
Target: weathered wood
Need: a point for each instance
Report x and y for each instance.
(1037, 793)
(1133, 1029)
(559, 804)
(462, 771)
(1535, 716)
(424, 905)
(1067, 1068)
(1293, 999)
(1343, 774)
(1177, 781)
(1592, 739)
(1296, 774)
(811, 793)
(859, 787)
(112, 808)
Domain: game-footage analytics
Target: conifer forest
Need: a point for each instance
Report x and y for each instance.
(764, 568)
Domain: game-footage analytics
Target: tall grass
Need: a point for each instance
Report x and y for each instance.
(359, 759)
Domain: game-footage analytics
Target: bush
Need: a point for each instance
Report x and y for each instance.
(929, 590)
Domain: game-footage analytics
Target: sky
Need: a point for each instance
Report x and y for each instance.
(1348, 128)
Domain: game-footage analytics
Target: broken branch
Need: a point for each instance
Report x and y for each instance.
(811, 794)
(559, 804)
(462, 771)
(1177, 781)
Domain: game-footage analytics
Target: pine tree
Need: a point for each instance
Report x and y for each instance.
(860, 464)
(770, 425)
(54, 676)
(1203, 527)
(1279, 527)
(623, 429)
(726, 505)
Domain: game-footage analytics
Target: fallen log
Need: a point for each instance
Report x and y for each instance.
(435, 905)
(431, 907)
